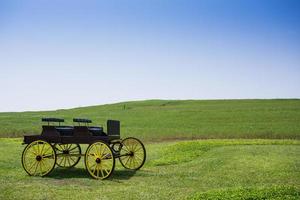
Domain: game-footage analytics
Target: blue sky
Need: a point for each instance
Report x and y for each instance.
(61, 54)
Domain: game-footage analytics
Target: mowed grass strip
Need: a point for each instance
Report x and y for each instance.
(156, 120)
(207, 169)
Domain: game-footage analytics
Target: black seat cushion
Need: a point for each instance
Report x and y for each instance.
(65, 130)
(96, 131)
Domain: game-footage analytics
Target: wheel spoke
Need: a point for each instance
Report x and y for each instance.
(127, 160)
(138, 157)
(61, 148)
(97, 171)
(41, 170)
(140, 148)
(48, 149)
(65, 160)
(34, 149)
(127, 148)
(72, 159)
(34, 163)
(107, 172)
(42, 148)
(43, 166)
(69, 161)
(62, 159)
(133, 146)
(73, 148)
(100, 150)
(102, 172)
(38, 149)
(36, 167)
(93, 166)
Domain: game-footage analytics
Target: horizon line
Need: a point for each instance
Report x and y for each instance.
(140, 100)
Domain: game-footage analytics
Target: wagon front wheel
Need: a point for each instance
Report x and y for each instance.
(38, 158)
(132, 153)
(99, 160)
(68, 155)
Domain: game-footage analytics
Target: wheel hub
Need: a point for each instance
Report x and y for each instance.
(65, 151)
(98, 160)
(38, 158)
(131, 153)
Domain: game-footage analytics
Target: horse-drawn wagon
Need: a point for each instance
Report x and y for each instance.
(60, 145)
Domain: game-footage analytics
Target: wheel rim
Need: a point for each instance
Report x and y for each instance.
(135, 153)
(68, 155)
(38, 158)
(99, 160)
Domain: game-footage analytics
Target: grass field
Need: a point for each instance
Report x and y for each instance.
(158, 120)
(251, 150)
(198, 169)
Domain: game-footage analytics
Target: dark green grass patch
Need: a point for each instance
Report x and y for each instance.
(254, 193)
(188, 150)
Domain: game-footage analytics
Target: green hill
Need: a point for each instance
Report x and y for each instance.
(176, 119)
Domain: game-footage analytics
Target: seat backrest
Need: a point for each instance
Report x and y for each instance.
(80, 120)
(50, 131)
(51, 119)
(113, 128)
(81, 131)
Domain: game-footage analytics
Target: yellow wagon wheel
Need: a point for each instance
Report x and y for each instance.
(133, 153)
(99, 160)
(68, 155)
(38, 158)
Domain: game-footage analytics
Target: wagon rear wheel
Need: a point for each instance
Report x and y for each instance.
(38, 158)
(68, 155)
(133, 153)
(99, 160)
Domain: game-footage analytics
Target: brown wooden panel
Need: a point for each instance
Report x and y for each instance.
(84, 139)
(50, 131)
(30, 138)
(80, 131)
